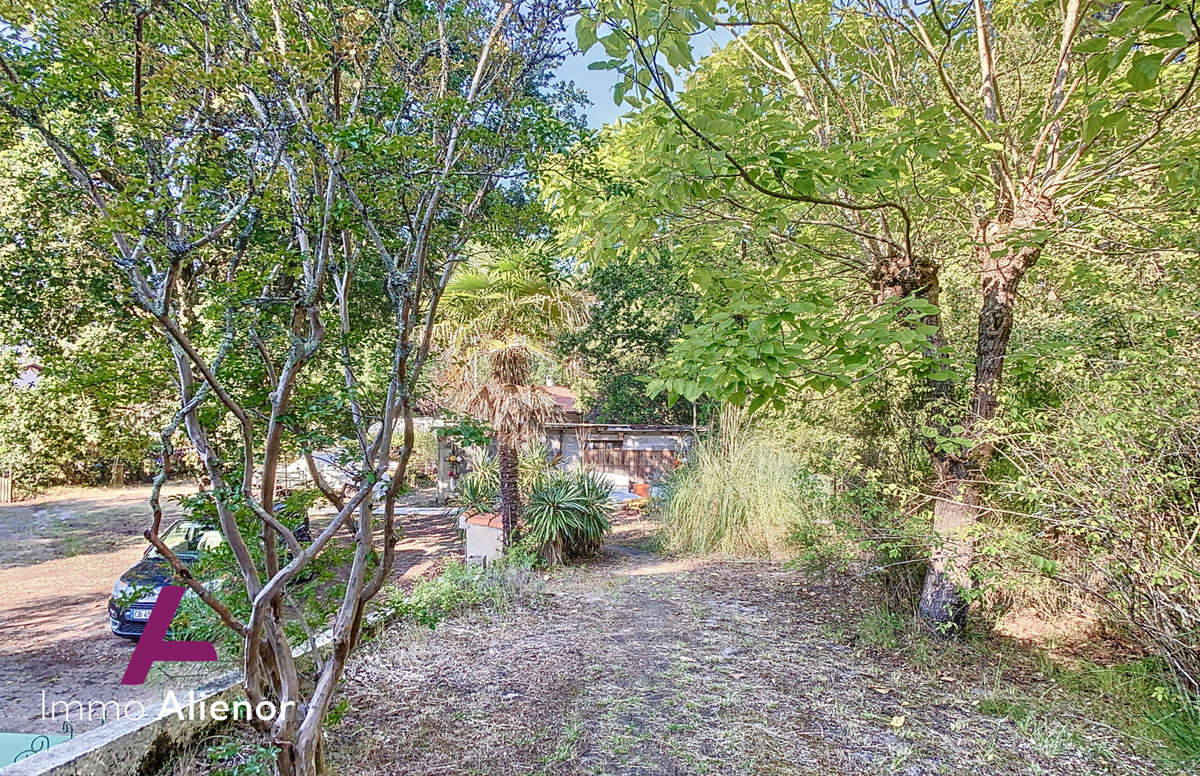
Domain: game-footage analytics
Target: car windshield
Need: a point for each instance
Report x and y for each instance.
(187, 538)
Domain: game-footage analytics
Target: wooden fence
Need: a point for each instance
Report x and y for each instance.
(637, 465)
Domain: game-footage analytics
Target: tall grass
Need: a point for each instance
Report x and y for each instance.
(741, 493)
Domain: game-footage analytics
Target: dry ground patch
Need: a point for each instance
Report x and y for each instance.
(642, 665)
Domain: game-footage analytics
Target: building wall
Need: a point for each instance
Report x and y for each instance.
(568, 441)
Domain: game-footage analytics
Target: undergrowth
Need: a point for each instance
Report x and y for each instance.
(459, 586)
(1143, 699)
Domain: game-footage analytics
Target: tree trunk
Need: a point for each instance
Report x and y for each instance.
(1005, 253)
(942, 603)
(510, 496)
(302, 759)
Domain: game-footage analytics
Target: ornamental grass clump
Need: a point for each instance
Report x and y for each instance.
(740, 493)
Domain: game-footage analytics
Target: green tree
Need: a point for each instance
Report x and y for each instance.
(285, 192)
(642, 304)
(499, 317)
(888, 142)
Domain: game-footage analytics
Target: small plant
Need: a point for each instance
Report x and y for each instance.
(71, 546)
(461, 587)
(568, 515)
(477, 493)
(337, 712)
(238, 758)
(881, 627)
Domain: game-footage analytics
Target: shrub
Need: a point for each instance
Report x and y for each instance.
(479, 488)
(534, 464)
(476, 493)
(1110, 492)
(459, 587)
(741, 493)
(422, 464)
(568, 515)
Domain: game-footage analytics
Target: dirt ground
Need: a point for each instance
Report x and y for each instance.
(637, 664)
(59, 557)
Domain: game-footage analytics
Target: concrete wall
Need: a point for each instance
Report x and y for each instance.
(483, 543)
(565, 443)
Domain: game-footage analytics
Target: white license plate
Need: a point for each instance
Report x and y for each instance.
(139, 614)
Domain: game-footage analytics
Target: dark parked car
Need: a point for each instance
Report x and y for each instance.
(134, 594)
(136, 591)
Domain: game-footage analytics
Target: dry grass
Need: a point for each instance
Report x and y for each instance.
(644, 665)
(741, 494)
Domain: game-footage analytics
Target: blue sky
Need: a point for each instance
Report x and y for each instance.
(597, 83)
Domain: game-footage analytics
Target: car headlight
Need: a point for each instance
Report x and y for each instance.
(120, 588)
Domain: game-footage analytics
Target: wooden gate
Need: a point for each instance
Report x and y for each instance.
(637, 465)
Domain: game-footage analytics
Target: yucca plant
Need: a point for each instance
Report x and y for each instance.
(533, 466)
(568, 515)
(477, 493)
(479, 488)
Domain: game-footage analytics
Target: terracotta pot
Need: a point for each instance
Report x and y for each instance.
(641, 489)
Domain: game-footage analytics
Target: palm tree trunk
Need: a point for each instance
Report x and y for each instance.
(510, 496)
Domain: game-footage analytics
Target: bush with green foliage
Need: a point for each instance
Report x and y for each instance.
(1106, 501)
(462, 586)
(70, 427)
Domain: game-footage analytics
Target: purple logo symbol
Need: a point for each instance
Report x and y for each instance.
(153, 646)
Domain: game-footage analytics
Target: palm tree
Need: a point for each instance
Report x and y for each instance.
(499, 319)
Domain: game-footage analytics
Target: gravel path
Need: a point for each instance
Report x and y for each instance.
(641, 665)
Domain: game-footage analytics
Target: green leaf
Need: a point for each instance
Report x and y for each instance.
(1170, 41)
(614, 45)
(1092, 45)
(585, 33)
(1144, 71)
